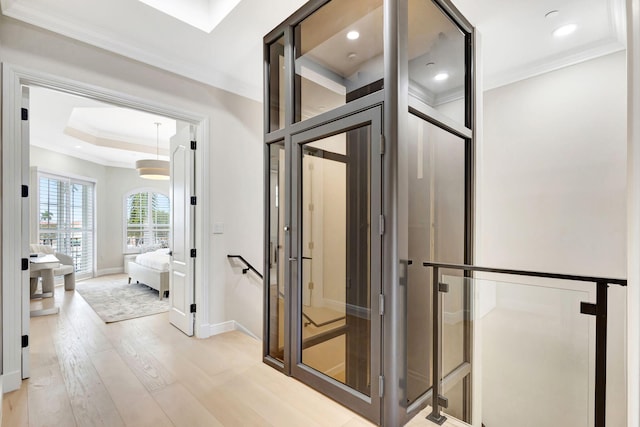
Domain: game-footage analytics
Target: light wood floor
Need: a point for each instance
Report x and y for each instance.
(144, 372)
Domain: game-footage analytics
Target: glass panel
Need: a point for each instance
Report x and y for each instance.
(276, 251)
(434, 161)
(456, 339)
(436, 60)
(339, 55)
(276, 85)
(533, 349)
(454, 320)
(336, 245)
(455, 394)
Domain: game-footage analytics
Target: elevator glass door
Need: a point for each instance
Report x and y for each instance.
(337, 244)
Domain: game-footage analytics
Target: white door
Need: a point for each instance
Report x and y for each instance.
(181, 282)
(24, 226)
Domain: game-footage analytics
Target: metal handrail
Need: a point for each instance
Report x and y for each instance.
(249, 266)
(599, 309)
(611, 281)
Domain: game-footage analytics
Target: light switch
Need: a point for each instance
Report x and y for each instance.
(218, 228)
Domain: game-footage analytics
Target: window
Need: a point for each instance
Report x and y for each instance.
(66, 218)
(147, 221)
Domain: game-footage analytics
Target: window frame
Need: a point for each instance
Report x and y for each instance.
(70, 179)
(149, 227)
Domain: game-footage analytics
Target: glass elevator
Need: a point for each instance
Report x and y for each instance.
(369, 148)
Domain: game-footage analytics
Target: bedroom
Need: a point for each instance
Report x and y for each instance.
(111, 215)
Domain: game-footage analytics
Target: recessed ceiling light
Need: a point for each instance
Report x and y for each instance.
(78, 146)
(353, 35)
(429, 64)
(352, 56)
(441, 77)
(565, 30)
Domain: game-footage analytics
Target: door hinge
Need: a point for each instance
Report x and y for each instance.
(194, 200)
(382, 147)
(588, 308)
(24, 264)
(193, 253)
(192, 308)
(25, 191)
(381, 304)
(24, 114)
(25, 341)
(381, 386)
(381, 224)
(193, 145)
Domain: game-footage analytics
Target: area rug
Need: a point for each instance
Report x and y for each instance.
(115, 300)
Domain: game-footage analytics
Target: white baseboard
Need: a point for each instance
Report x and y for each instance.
(108, 271)
(11, 381)
(221, 328)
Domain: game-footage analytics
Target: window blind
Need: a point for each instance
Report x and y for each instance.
(147, 219)
(67, 218)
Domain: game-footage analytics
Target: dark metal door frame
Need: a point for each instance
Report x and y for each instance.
(367, 406)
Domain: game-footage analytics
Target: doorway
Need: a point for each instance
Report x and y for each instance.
(337, 176)
(16, 299)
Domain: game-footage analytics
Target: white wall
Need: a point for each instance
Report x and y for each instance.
(111, 186)
(554, 186)
(235, 163)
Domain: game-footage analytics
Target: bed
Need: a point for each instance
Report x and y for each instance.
(151, 269)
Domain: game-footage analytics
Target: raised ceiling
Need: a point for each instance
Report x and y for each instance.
(95, 131)
(516, 37)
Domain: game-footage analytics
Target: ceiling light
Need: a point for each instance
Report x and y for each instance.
(565, 30)
(441, 77)
(353, 35)
(352, 56)
(154, 168)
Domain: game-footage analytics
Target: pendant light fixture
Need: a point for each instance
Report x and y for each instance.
(154, 168)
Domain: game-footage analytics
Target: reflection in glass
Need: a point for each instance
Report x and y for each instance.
(276, 85)
(339, 55)
(455, 316)
(434, 161)
(336, 248)
(436, 60)
(276, 251)
(530, 337)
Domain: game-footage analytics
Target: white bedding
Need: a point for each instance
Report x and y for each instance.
(158, 260)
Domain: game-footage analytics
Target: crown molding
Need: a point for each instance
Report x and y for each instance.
(113, 42)
(566, 59)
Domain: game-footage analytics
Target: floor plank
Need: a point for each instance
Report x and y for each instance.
(145, 372)
(15, 410)
(49, 403)
(135, 405)
(92, 405)
(183, 408)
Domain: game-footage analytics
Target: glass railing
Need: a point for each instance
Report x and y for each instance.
(518, 347)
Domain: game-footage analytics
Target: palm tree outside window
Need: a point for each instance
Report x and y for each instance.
(147, 221)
